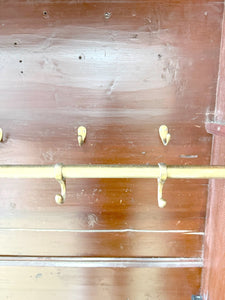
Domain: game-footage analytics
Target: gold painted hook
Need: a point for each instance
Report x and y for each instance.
(164, 134)
(161, 181)
(82, 132)
(1, 135)
(60, 198)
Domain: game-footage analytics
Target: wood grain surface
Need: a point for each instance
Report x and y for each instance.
(110, 283)
(121, 69)
(106, 243)
(213, 285)
(68, 64)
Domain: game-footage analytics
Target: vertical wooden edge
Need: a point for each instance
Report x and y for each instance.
(213, 275)
(206, 266)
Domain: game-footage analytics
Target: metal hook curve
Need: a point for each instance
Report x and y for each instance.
(82, 132)
(60, 198)
(161, 180)
(1, 135)
(164, 134)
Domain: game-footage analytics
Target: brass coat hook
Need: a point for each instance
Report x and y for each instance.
(60, 198)
(161, 173)
(164, 134)
(161, 180)
(1, 135)
(81, 132)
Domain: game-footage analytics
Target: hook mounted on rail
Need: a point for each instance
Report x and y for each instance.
(161, 180)
(1, 135)
(60, 198)
(161, 172)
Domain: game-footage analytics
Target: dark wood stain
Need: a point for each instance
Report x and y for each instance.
(121, 69)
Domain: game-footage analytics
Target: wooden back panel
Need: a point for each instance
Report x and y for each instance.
(121, 69)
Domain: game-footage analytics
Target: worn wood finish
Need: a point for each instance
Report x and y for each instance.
(103, 204)
(101, 262)
(215, 128)
(127, 209)
(100, 243)
(213, 286)
(35, 283)
(122, 69)
(122, 78)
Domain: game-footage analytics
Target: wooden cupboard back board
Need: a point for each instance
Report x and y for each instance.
(121, 69)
